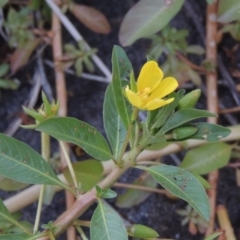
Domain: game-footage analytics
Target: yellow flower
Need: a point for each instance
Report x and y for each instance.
(151, 88)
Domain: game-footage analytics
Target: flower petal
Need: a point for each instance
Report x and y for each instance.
(150, 76)
(166, 86)
(157, 103)
(133, 98)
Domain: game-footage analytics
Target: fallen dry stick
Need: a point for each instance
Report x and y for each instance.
(62, 98)
(224, 222)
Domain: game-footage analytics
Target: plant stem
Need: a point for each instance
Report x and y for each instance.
(82, 223)
(82, 234)
(143, 188)
(51, 236)
(70, 167)
(129, 131)
(45, 151)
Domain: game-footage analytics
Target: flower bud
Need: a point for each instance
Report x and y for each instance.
(190, 99)
(183, 132)
(141, 231)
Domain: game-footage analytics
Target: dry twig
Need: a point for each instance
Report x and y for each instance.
(62, 97)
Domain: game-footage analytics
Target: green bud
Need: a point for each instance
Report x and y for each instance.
(133, 84)
(183, 132)
(141, 231)
(190, 99)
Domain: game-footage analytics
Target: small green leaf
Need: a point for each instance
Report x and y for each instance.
(195, 49)
(121, 69)
(113, 124)
(210, 1)
(7, 184)
(4, 68)
(210, 132)
(107, 224)
(183, 116)
(141, 19)
(207, 158)
(105, 193)
(158, 117)
(3, 3)
(213, 236)
(141, 231)
(203, 181)
(228, 11)
(88, 173)
(184, 185)
(20, 162)
(5, 216)
(133, 197)
(16, 237)
(72, 130)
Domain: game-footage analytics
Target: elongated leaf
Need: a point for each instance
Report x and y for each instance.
(146, 18)
(228, 11)
(106, 224)
(6, 217)
(21, 55)
(113, 124)
(210, 132)
(121, 68)
(72, 130)
(184, 185)
(3, 2)
(207, 158)
(183, 116)
(133, 197)
(7, 184)
(20, 162)
(88, 173)
(213, 236)
(16, 237)
(91, 18)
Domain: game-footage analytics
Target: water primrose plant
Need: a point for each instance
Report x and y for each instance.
(169, 117)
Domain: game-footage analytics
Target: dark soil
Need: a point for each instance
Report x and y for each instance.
(85, 102)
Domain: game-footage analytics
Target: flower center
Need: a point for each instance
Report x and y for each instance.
(144, 94)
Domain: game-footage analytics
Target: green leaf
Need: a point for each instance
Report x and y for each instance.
(105, 193)
(210, 132)
(6, 217)
(7, 184)
(121, 69)
(113, 124)
(158, 117)
(20, 162)
(133, 197)
(3, 3)
(183, 116)
(184, 185)
(4, 68)
(210, 1)
(72, 130)
(213, 236)
(146, 18)
(16, 237)
(107, 224)
(88, 173)
(141, 231)
(195, 49)
(207, 158)
(203, 181)
(228, 11)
